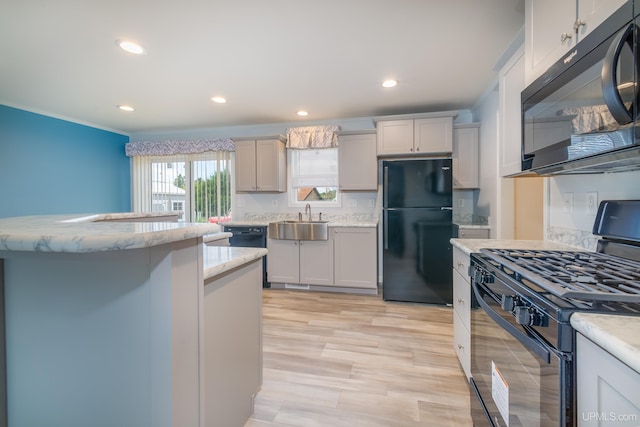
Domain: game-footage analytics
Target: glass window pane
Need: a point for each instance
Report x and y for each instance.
(168, 187)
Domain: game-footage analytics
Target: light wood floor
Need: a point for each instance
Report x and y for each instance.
(333, 360)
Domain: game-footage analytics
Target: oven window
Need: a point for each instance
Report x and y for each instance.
(517, 387)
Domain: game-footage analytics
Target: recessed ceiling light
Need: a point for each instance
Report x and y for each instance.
(131, 47)
(124, 107)
(302, 113)
(219, 100)
(389, 83)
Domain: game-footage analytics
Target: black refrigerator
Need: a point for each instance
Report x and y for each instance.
(417, 226)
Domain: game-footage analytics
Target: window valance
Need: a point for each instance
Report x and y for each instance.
(309, 137)
(167, 148)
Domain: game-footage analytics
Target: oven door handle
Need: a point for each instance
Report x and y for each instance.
(531, 344)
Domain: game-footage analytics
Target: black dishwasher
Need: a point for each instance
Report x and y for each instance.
(250, 236)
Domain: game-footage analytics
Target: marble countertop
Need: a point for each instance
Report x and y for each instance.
(210, 238)
(94, 233)
(467, 225)
(330, 223)
(617, 334)
(220, 259)
(470, 246)
(333, 220)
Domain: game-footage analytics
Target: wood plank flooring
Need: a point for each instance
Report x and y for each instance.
(333, 360)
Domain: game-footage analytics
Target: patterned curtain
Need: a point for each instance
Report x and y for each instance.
(312, 137)
(168, 148)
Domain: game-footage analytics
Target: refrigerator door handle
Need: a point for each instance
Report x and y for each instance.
(385, 188)
(446, 208)
(385, 231)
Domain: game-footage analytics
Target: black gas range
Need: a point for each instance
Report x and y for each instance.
(522, 342)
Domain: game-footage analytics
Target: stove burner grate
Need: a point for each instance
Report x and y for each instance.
(589, 276)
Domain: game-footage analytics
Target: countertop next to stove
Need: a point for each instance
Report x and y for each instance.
(470, 246)
(617, 334)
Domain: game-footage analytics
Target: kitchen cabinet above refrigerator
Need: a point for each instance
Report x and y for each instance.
(415, 135)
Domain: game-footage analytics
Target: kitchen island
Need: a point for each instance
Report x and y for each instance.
(110, 322)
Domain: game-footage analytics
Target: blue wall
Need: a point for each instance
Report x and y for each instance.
(51, 166)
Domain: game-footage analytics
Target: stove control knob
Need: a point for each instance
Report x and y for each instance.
(507, 303)
(528, 316)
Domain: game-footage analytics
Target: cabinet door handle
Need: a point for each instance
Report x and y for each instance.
(579, 23)
(460, 346)
(564, 37)
(460, 301)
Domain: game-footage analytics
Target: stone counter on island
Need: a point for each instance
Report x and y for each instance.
(110, 322)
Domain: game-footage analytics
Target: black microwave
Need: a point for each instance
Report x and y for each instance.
(581, 116)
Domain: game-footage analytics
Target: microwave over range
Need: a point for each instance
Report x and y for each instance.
(581, 116)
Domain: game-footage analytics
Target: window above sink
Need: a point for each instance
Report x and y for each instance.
(313, 177)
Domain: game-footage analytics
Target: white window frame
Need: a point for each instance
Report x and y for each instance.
(293, 192)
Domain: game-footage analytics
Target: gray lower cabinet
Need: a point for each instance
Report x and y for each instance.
(232, 345)
(462, 310)
(347, 259)
(300, 262)
(608, 390)
(355, 255)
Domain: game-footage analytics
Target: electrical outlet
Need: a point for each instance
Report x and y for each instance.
(372, 203)
(274, 203)
(592, 203)
(567, 202)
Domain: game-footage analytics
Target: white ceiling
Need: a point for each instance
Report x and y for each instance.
(269, 58)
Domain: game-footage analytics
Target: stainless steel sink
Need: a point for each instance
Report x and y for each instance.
(299, 230)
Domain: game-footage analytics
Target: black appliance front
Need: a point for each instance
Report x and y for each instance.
(250, 236)
(417, 227)
(424, 183)
(518, 379)
(580, 116)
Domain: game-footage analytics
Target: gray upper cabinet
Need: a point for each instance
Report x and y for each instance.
(511, 84)
(553, 27)
(357, 162)
(261, 165)
(466, 140)
(415, 136)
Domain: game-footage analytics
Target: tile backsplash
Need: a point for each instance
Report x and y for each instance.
(570, 199)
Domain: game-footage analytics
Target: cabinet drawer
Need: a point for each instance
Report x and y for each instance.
(462, 344)
(473, 233)
(461, 262)
(462, 298)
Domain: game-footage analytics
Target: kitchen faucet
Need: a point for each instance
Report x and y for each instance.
(308, 208)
